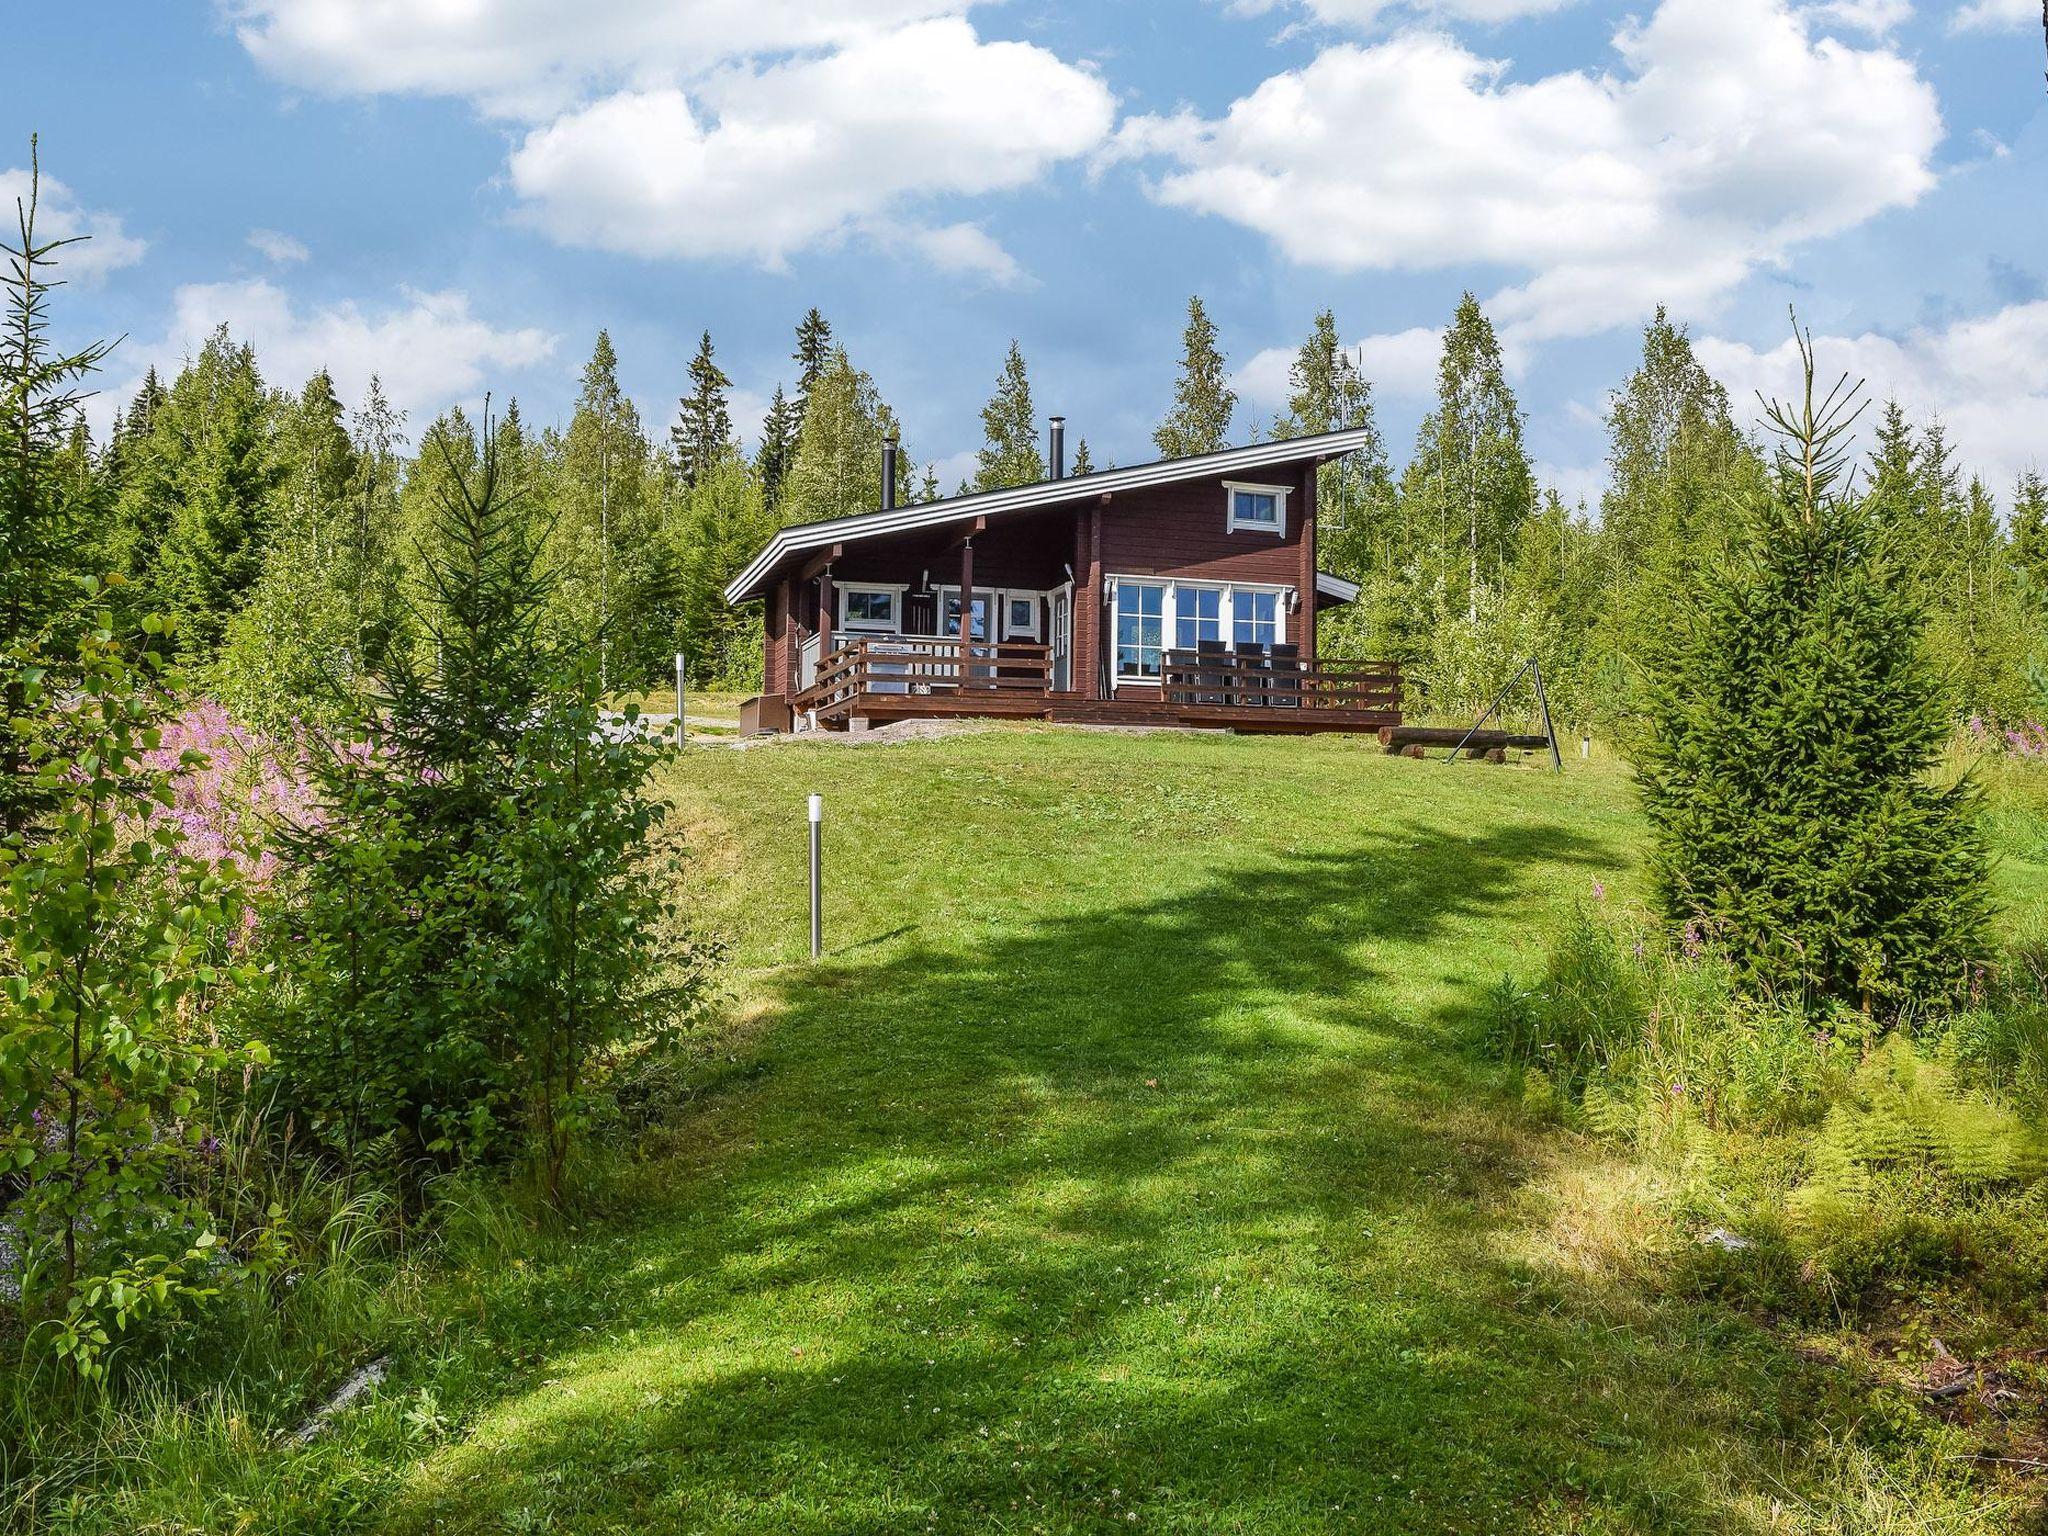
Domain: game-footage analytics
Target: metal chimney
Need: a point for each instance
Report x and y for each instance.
(1058, 456)
(888, 474)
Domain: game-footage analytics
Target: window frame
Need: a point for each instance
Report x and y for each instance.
(1232, 523)
(1118, 676)
(1036, 630)
(1169, 617)
(894, 591)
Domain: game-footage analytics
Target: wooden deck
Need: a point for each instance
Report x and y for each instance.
(879, 681)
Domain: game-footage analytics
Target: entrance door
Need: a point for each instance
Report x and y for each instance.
(1062, 637)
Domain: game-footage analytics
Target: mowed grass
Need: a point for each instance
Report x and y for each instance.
(1125, 1165)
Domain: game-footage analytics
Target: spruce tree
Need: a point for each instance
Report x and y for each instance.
(292, 640)
(812, 356)
(1203, 401)
(214, 464)
(837, 471)
(376, 429)
(1328, 393)
(778, 444)
(2030, 533)
(725, 523)
(1793, 721)
(1009, 452)
(45, 514)
(702, 434)
(1083, 464)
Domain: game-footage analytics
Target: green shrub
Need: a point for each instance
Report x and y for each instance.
(1863, 1167)
(477, 922)
(1795, 719)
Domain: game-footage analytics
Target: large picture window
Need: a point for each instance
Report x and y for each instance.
(1153, 616)
(1140, 627)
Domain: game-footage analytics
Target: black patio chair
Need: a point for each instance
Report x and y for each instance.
(1212, 659)
(1285, 687)
(1252, 667)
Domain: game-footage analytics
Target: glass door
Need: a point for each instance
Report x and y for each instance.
(1062, 638)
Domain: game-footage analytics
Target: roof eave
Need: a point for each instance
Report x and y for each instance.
(1045, 493)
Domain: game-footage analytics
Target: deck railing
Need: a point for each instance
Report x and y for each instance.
(1251, 680)
(926, 664)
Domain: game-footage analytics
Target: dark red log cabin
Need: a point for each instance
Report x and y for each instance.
(1182, 592)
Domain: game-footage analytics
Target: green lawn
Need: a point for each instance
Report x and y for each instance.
(1124, 1166)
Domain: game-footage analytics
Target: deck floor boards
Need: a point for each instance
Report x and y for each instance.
(1073, 709)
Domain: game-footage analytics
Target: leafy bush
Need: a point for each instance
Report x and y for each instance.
(112, 962)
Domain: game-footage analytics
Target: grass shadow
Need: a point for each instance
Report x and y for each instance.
(1163, 1215)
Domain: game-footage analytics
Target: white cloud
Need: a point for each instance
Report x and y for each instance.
(971, 250)
(533, 57)
(429, 349)
(1400, 365)
(1996, 16)
(1729, 135)
(761, 163)
(1364, 15)
(1879, 18)
(1577, 485)
(954, 470)
(275, 246)
(107, 247)
(1986, 377)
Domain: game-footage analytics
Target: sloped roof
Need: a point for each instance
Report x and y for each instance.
(1045, 493)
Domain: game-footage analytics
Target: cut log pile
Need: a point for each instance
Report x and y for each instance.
(1416, 740)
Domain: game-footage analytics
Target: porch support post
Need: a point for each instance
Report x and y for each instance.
(1307, 637)
(966, 606)
(825, 611)
(1099, 663)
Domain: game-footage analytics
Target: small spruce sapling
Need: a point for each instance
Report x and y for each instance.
(1794, 719)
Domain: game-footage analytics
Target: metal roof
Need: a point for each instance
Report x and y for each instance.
(1044, 493)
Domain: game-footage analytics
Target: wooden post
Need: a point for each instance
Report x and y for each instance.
(966, 607)
(1306, 639)
(824, 614)
(1098, 671)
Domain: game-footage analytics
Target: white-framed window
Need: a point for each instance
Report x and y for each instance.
(1197, 614)
(1154, 615)
(1255, 618)
(871, 606)
(1020, 615)
(1255, 508)
(1140, 628)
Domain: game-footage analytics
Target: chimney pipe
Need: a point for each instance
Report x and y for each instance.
(889, 474)
(1058, 456)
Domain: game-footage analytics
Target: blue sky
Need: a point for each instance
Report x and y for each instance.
(459, 195)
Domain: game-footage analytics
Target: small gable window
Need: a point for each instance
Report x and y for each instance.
(1256, 508)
